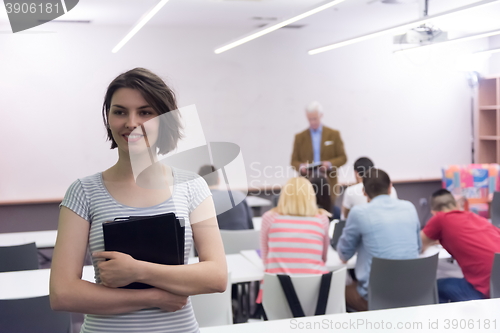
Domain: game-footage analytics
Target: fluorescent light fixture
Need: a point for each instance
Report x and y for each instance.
(139, 25)
(276, 26)
(400, 27)
(487, 52)
(455, 40)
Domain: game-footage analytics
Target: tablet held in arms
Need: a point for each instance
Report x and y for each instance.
(158, 239)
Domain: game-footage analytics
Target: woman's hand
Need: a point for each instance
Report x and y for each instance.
(168, 301)
(120, 270)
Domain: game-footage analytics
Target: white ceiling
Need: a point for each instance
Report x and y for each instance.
(348, 19)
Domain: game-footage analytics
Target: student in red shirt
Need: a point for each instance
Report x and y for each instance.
(470, 239)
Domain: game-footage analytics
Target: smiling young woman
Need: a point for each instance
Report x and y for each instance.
(128, 111)
(141, 121)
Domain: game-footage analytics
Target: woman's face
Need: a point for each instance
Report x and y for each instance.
(128, 111)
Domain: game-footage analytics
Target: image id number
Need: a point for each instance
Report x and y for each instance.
(472, 324)
(31, 8)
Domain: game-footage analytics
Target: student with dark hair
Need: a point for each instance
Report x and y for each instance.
(354, 194)
(321, 187)
(384, 227)
(238, 217)
(470, 239)
(141, 120)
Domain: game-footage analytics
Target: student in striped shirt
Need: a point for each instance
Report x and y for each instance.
(140, 116)
(294, 235)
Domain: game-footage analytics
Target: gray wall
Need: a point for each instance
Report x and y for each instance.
(31, 217)
(416, 192)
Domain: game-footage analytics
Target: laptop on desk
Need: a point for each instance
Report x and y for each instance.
(337, 232)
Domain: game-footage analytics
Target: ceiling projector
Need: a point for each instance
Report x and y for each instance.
(421, 35)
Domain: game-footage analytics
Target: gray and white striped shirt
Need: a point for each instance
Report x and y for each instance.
(89, 198)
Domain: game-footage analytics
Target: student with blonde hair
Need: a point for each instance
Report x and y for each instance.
(294, 235)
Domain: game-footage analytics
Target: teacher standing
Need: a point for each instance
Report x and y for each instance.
(321, 146)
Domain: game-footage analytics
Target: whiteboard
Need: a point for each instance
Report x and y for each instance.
(410, 114)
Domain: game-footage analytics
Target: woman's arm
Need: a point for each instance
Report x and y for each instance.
(267, 221)
(326, 239)
(207, 276)
(68, 292)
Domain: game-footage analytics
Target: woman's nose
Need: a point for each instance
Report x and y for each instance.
(132, 122)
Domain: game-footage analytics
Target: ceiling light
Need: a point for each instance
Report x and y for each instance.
(451, 41)
(486, 52)
(139, 25)
(400, 27)
(276, 26)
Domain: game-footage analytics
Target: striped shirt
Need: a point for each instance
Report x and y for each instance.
(89, 198)
(294, 244)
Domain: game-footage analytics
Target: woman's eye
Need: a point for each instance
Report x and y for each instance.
(147, 113)
(118, 112)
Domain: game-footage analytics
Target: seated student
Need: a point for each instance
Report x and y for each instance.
(294, 235)
(298, 225)
(470, 239)
(384, 227)
(354, 195)
(322, 189)
(238, 217)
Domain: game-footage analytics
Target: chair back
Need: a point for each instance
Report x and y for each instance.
(337, 232)
(495, 278)
(214, 309)
(238, 240)
(495, 210)
(18, 257)
(32, 315)
(307, 288)
(401, 283)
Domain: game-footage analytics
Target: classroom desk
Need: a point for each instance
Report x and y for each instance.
(257, 222)
(445, 268)
(258, 202)
(434, 318)
(242, 270)
(33, 283)
(43, 239)
(332, 262)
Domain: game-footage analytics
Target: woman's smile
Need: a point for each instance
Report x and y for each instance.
(132, 137)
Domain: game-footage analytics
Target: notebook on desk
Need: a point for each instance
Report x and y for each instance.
(158, 239)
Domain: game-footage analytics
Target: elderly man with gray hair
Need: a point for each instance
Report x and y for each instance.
(318, 149)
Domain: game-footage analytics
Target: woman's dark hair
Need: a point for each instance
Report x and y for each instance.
(158, 95)
(322, 190)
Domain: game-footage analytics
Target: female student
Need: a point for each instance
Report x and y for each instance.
(294, 235)
(138, 112)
